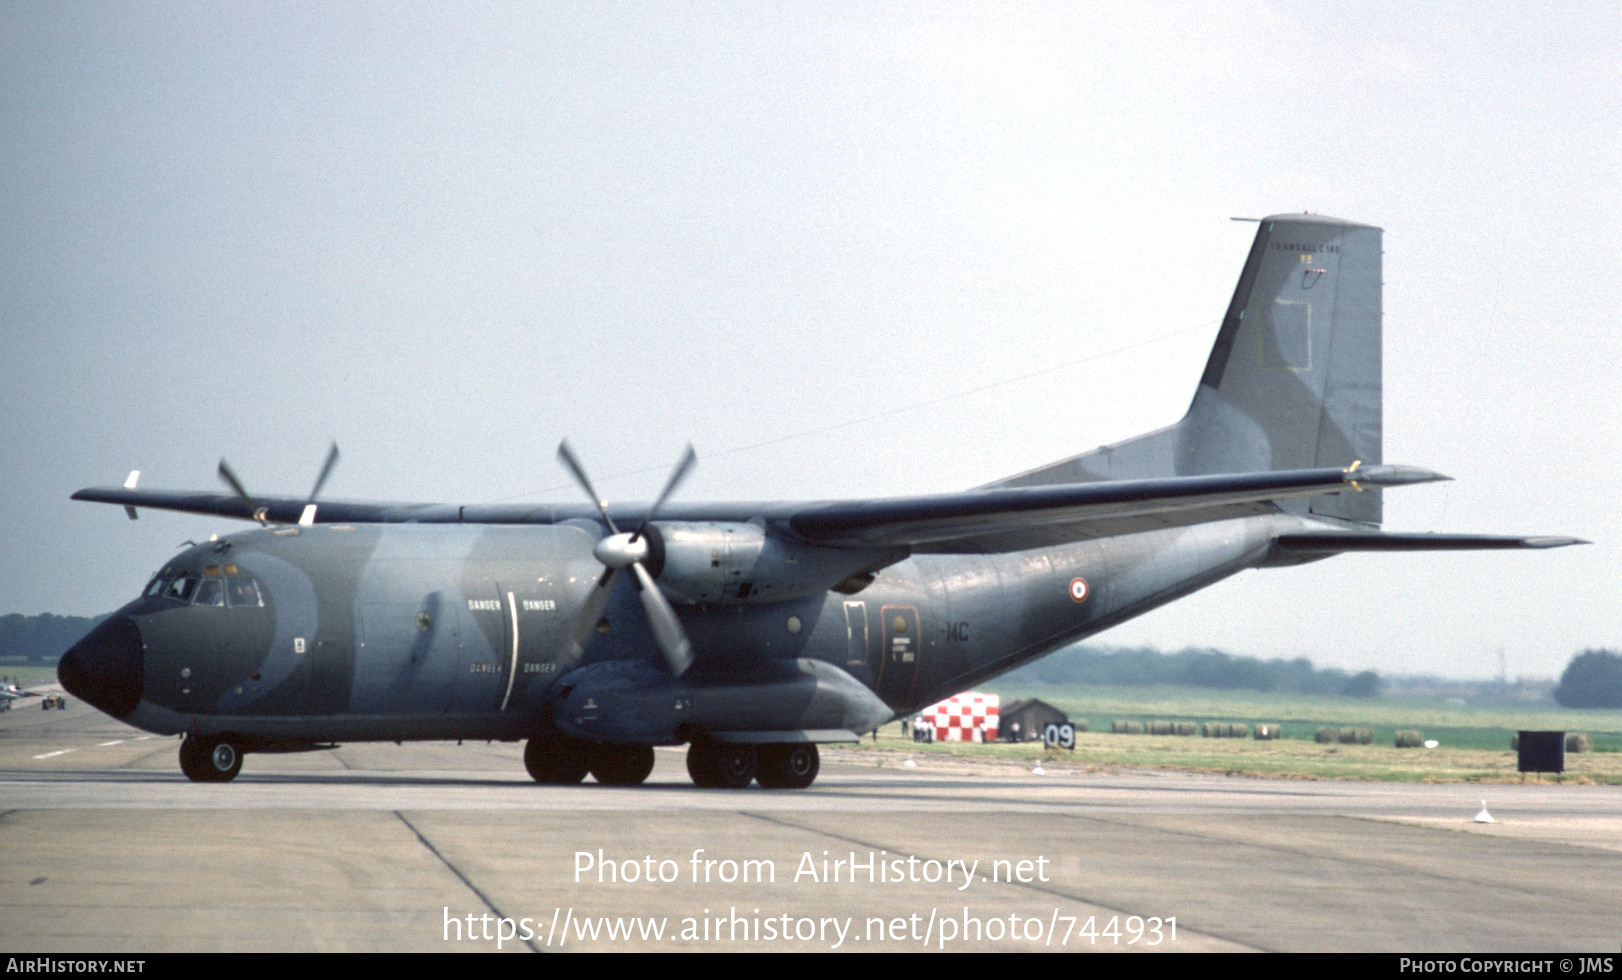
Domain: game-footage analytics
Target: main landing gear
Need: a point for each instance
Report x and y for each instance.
(720, 765)
(557, 759)
(210, 760)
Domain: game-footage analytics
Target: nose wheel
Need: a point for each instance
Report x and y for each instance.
(210, 760)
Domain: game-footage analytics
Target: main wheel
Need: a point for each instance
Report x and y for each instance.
(621, 765)
(716, 765)
(210, 760)
(788, 766)
(556, 759)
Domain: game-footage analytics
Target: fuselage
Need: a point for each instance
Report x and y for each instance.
(419, 631)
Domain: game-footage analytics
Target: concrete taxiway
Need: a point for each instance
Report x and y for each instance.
(108, 849)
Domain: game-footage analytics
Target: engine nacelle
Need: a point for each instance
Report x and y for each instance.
(725, 562)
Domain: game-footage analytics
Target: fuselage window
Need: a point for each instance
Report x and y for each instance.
(241, 590)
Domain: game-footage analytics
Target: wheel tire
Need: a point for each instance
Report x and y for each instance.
(788, 766)
(210, 760)
(700, 766)
(716, 765)
(621, 765)
(556, 759)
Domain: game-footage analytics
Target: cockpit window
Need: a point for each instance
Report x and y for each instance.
(210, 592)
(181, 588)
(154, 587)
(242, 590)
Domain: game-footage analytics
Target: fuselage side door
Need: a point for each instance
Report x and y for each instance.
(858, 658)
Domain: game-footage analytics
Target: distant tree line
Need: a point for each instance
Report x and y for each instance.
(1593, 679)
(1145, 666)
(43, 637)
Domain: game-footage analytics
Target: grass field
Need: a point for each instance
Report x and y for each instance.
(25, 674)
(1474, 741)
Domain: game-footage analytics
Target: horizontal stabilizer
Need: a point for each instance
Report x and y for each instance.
(1336, 542)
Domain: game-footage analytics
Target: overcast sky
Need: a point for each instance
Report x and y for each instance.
(447, 236)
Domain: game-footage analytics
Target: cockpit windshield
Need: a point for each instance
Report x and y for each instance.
(218, 585)
(181, 588)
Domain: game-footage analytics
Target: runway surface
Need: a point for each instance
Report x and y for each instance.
(436, 847)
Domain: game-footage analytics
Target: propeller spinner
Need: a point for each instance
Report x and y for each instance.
(620, 551)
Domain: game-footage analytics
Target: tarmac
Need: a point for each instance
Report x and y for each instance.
(446, 847)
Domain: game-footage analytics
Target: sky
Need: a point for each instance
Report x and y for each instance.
(845, 249)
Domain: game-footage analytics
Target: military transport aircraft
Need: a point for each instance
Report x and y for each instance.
(752, 632)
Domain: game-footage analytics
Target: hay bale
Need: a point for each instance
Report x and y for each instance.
(1409, 739)
(1579, 742)
(1183, 728)
(1515, 742)
(1126, 727)
(1365, 736)
(1326, 734)
(1266, 732)
(1079, 726)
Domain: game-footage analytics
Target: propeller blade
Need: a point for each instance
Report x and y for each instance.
(667, 630)
(326, 471)
(231, 480)
(567, 456)
(585, 621)
(683, 467)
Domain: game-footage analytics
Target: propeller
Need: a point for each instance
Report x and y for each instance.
(619, 551)
(307, 515)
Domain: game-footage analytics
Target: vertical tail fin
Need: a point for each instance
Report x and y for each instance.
(1293, 380)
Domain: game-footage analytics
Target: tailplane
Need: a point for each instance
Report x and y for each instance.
(1293, 381)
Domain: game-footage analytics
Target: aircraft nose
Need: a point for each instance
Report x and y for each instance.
(105, 668)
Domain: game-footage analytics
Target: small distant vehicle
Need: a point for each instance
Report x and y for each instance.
(56, 701)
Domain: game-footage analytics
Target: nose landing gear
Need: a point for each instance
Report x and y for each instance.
(210, 760)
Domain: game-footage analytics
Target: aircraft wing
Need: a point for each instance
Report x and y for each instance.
(978, 520)
(280, 510)
(1027, 517)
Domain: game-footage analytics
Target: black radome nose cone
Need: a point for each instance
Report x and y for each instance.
(105, 668)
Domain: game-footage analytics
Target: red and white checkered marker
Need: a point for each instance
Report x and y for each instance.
(967, 717)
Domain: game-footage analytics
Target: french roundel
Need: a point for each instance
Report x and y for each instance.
(1078, 589)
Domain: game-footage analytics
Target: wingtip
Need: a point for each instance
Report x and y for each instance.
(1394, 475)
